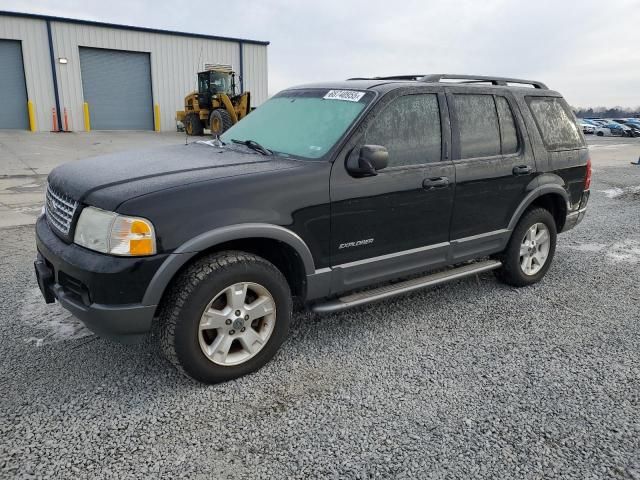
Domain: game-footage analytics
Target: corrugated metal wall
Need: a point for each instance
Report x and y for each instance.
(255, 72)
(37, 66)
(175, 60)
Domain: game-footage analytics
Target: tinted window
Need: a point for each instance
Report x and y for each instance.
(409, 127)
(508, 134)
(556, 124)
(478, 125)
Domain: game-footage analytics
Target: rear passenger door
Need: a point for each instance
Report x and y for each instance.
(493, 168)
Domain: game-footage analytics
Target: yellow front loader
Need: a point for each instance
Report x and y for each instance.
(215, 105)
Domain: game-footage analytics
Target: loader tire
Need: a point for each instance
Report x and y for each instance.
(193, 125)
(219, 122)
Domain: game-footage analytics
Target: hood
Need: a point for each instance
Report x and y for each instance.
(108, 180)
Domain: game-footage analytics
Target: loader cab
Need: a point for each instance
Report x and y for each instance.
(212, 82)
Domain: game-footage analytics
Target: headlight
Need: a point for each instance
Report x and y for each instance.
(108, 232)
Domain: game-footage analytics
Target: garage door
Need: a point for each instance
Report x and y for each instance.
(13, 90)
(117, 87)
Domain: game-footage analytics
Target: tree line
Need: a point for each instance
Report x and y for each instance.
(604, 112)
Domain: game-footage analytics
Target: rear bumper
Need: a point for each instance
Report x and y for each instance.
(104, 292)
(576, 216)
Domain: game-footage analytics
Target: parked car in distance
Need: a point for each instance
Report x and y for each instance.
(603, 131)
(632, 124)
(609, 128)
(626, 131)
(587, 128)
(335, 194)
(635, 128)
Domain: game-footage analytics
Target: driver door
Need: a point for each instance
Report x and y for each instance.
(204, 95)
(397, 222)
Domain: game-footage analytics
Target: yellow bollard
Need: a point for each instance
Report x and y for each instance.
(33, 126)
(156, 118)
(87, 119)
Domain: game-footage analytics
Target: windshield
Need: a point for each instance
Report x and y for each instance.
(220, 82)
(302, 123)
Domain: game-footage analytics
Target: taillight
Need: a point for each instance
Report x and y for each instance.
(587, 178)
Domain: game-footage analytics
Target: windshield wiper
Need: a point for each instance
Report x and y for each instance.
(253, 145)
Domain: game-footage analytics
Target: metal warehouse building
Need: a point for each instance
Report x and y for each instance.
(131, 78)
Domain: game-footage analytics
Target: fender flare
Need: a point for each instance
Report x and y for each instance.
(536, 193)
(185, 252)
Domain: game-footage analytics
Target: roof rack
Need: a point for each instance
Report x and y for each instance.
(481, 79)
(392, 77)
(503, 81)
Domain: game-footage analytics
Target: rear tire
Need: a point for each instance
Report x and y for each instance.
(600, 134)
(219, 122)
(193, 125)
(201, 332)
(530, 250)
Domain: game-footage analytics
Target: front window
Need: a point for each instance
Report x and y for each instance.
(220, 82)
(302, 123)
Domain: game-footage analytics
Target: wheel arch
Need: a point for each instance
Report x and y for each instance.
(279, 245)
(551, 196)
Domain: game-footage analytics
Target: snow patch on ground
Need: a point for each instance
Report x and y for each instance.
(612, 192)
(51, 323)
(624, 251)
(588, 247)
(616, 192)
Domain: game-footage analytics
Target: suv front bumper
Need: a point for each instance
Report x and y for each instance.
(103, 291)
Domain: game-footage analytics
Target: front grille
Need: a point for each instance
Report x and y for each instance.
(59, 209)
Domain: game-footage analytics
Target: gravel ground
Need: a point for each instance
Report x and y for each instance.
(469, 380)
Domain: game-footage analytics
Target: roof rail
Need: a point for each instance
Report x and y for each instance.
(481, 79)
(393, 77)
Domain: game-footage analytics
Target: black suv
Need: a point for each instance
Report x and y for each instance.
(337, 194)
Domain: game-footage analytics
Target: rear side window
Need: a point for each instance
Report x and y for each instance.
(409, 128)
(555, 123)
(477, 125)
(508, 134)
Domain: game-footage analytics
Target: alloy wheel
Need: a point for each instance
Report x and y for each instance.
(237, 323)
(534, 249)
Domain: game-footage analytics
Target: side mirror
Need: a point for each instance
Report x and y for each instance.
(367, 161)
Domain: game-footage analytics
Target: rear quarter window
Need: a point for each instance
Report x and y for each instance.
(556, 124)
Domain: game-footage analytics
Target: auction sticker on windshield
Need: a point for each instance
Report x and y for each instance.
(348, 95)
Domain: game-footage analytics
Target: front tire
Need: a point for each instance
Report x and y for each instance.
(193, 125)
(530, 250)
(225, 316)
(219, 122)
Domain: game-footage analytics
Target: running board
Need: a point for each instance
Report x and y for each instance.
(388, 291)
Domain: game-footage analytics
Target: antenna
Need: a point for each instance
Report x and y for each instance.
(198, 65)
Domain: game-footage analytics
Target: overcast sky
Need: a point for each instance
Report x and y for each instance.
(587, 49)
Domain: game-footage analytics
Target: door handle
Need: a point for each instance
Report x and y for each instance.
(522, 170)
(436, 182)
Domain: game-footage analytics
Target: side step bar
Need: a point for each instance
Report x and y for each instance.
(388, 291)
